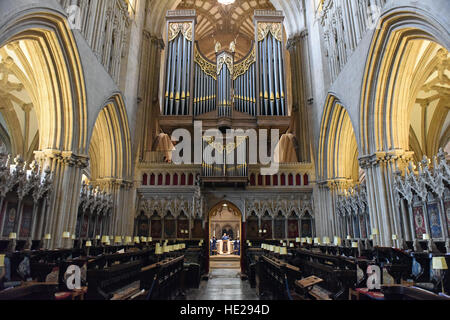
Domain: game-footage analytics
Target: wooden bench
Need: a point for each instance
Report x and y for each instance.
(276, 277)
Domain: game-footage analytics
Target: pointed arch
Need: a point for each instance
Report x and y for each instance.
(110, 145)
(338, 149)
(55, 73)
(389, 72)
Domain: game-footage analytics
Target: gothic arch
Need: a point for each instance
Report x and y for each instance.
(386, 91)
(55, 74)
(110, 145)
(338, 149)
(220, 204)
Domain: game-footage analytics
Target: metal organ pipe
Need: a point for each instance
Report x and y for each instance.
(178, 73)
(254, 89)
(188, 77)
(168, 76)
(183, 77)
(173, 73)
(196, 96)
(276, 76)
(270, 75)
(264, 74)
(281, 78)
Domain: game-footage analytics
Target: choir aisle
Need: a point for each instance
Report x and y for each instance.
(223, 284)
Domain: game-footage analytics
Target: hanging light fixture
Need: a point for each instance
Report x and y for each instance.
(226, 2)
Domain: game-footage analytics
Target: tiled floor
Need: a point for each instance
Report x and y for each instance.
(223, 284)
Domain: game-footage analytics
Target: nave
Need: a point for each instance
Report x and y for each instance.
(223, 284)
(145, 142)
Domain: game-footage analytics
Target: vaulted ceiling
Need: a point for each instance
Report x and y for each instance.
(237, 17)
(225, 23)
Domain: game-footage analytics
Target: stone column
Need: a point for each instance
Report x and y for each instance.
(329, 223)
(147, 126)
(122, 212)
(383, 209)
(66, 169)
(301, 92)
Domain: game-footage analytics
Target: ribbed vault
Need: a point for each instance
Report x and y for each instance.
(292, 10)
(403, 92)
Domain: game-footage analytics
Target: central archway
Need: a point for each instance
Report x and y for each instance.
(225, 217)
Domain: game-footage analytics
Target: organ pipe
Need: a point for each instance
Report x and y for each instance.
(226, 85)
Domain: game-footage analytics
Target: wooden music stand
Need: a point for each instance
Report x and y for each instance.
(306, 286)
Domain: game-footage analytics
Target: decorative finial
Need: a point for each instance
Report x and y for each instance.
(233, 46)
(218, 46)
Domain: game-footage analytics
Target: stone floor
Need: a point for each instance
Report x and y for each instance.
(223, 284)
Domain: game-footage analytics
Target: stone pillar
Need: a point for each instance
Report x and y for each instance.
(66, 169)
(383, 209)
(301, 92)
(122, 212)
(148, 93)
(329, 223)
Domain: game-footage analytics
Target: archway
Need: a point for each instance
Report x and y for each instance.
(338, 148)
(406, 51)
(404, 86)
(338, 167)
(225, 252)
(41, 53)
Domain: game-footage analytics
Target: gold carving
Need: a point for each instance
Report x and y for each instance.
(274, 28)
(185, 28)
(206, 66)
(225, 58)
(242, 67)
(228, 148)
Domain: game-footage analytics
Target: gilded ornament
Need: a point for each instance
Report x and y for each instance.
(185, 28)
(225, 58)
(242, 67)
(206, 66)
(274, 28)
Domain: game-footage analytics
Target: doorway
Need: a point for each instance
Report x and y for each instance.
(225, 234)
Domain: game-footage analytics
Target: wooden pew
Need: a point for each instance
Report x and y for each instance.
(162, 281)
(338, 273)
(111, 273)
(276, 277)
(251, 259)
(31, 291)
(103, 283)
(410, 293)
(397, 262)
(194, 260)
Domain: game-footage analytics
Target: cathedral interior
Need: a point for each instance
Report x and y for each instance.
(224, 149)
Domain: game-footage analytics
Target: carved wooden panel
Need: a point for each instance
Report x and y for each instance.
(293, 228)
(156, 226)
